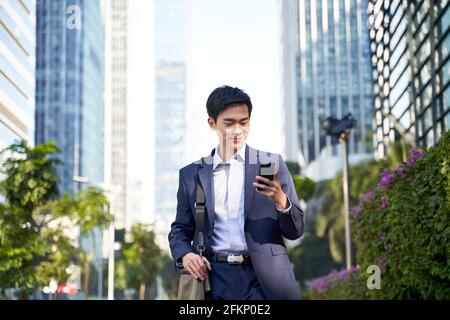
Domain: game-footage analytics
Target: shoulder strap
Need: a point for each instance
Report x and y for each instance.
(200, 217)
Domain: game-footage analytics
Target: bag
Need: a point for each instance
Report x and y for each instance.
(190, 288)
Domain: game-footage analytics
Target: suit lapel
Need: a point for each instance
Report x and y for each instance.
(205, 176)
(251, 171)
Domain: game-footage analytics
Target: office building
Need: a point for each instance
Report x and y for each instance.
(333, 78)
(410, 46)
(17, 71)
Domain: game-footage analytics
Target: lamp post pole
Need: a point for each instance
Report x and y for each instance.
(343, 140)
(111, 261)
(341, 128)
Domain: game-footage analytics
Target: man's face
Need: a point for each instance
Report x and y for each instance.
(232, 126)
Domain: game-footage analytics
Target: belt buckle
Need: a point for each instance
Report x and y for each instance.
(235, 259)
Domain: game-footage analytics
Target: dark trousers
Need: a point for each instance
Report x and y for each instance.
(234, 282)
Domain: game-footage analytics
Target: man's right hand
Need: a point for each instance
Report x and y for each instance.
(196, 265)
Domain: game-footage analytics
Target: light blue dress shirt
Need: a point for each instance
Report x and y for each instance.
(229, 181)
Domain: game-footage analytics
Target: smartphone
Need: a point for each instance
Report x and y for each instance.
(266, 170)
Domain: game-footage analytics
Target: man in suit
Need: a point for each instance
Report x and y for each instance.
(245, 252)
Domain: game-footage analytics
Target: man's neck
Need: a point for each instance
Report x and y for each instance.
(227, 154)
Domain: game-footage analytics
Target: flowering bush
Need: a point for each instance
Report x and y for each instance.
(343, 284)
(403, 227)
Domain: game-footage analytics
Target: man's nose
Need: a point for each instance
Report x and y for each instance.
(237, 129)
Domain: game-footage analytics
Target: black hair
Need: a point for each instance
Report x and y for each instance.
(223, 97)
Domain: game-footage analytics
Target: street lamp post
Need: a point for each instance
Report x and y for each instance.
(111, 261)
(341, 129)
(111, 190)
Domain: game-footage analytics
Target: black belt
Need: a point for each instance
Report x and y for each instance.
(230, 257)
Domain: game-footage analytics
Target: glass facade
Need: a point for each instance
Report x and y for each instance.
(333, 74)
(69, 86)
(17, 71)
(170, 104)
(410, 44)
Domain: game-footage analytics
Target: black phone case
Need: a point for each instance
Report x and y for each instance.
(265, 175)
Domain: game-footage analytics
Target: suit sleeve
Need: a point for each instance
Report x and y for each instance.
(292, 222)
(183, 228)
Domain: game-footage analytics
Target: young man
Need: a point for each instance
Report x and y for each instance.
(245, 253)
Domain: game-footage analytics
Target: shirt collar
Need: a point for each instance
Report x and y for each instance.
(217, 160)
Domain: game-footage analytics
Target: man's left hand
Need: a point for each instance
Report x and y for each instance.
(272, 189)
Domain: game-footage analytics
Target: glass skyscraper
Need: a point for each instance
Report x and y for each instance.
(410, 45)
(69, 87)
(17, 71)
(170, 104)
(333, 77)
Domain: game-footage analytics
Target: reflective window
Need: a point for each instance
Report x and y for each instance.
(445, 20)
(425, 73)
(406, 119)
(447, 101)
(399, 69)
(445, 72)
(401, 105)
(426, 95)
(396, 19)
(428, 118)
(444, 46)
(424, 53)
(398, 52)
(398, 33)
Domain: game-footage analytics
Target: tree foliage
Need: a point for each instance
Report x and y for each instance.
(140, 261)
(36, 222)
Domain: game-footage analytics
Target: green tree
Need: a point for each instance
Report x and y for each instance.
(169, 275)
(141, 258)
(30, 182)
(35, 221)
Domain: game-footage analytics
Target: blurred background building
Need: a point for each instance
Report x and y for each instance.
(129, 110)
(410, 45)
(69, 87)
(326, 43)
(116, 124)
(69, 95)
(17, 71)
(170, 109)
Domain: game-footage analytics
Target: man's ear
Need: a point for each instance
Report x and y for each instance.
(212, 123)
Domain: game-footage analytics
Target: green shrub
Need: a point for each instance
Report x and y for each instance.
(403, 227)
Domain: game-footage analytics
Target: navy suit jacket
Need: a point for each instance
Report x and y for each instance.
(264, 227)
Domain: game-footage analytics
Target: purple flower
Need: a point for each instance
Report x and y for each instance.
(321, 284)
(386, 179)
(413, 156)
(356, 210)
(401, 171)
(381, 263)
(367, 196)
(382, 237)
(384, 202)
